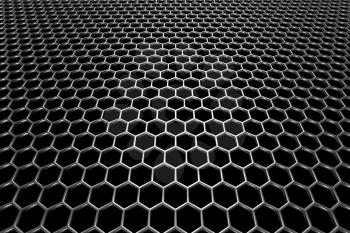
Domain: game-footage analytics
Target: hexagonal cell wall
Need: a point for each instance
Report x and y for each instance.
(174, 116)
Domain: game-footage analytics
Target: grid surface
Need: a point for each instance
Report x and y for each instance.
(174, 115)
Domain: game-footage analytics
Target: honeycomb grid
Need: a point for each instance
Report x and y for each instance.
(174, 116)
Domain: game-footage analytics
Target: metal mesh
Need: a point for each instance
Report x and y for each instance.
(178, 116)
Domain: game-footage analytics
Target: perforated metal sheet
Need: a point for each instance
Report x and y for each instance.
(178, 116)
